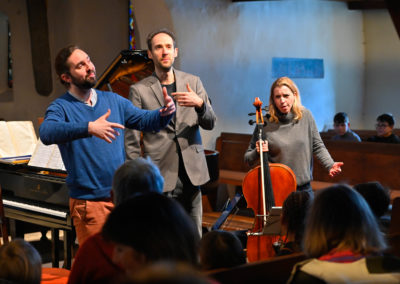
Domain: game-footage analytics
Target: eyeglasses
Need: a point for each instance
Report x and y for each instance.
(381, 125)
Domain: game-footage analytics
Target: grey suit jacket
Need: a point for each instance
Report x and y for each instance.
(180, 135)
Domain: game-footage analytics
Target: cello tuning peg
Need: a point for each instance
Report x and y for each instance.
(251, 114)
(251, 122)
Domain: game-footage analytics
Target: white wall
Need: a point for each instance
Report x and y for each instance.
(382, 45)
(97, 26)
(231, 45)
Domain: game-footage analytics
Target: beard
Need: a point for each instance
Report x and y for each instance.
(164, 68)
(85, 84)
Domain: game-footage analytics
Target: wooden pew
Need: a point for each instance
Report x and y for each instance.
(232, 170)
(274, 270)
(363, 133)
(231, 148)
(363, 162)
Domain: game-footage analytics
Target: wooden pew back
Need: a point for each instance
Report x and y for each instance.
(274, 270)
(363, 162)
(363, 133)
(231, 148)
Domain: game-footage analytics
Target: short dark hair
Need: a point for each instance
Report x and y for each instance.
(159, 31)
(61, 65)
(135, 176)
(341, 117)
(154, 225)
(376, 195)
(221, 249)
(386, 117)
(294, 211)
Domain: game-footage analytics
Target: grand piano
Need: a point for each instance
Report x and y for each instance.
(39, 195)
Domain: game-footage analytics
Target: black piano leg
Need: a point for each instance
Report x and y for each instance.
(68, 247)
(55, 247)
(13, 229)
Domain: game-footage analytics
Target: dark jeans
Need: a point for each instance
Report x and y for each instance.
(306, 188)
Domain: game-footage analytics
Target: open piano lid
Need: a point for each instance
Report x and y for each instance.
(129, 67)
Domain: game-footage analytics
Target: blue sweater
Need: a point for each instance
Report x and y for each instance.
(91, 161)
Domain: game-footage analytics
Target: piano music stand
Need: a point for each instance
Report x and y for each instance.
(3, 220)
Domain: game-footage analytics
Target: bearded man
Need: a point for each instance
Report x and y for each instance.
(86, 124)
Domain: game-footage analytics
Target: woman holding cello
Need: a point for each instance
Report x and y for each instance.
(291, 136)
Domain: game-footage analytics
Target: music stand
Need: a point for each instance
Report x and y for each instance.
(273, 223)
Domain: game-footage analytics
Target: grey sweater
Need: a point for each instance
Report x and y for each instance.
(293, 144)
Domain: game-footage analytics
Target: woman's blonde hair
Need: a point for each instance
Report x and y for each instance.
(341, 219)
(297, 106)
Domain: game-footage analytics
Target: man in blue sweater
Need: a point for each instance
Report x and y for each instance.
(86, 124)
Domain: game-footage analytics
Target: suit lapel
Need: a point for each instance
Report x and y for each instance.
(157, 91)
(180, 87)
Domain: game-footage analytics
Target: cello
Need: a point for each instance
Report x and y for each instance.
(264, 187)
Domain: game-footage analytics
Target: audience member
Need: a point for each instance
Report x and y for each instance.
(150, 227)
(166, 272)
(220, 249)
(294, 212)
(20, 262)
(384, 130)
(378, 199)
(342, 129)
(344, 241)
(93, 262)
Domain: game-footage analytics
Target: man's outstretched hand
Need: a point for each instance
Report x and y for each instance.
(169, 105)
(104, 129)
(188, 99)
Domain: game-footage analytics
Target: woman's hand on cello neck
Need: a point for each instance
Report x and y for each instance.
(264, 146)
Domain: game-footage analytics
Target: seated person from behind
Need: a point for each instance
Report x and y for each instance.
(384, 130)
(150, 227)
(168, 272)
(20, 262)
(220, 249)
(344, 242)
(342, 129)
(294, 211)
(378, 199)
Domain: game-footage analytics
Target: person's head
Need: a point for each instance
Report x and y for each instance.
(162, 49)
(294, 210)
(74, 67)
(168, 272)
(384, 125)
(341, 123)
(150, 227)
(20, 262)
(377, 196)
(340, 218)
(220, 249)
(136, 176)
(284, 98)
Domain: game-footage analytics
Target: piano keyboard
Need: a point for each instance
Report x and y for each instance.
(34, 208)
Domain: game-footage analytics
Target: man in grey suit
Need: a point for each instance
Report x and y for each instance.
(177, 149)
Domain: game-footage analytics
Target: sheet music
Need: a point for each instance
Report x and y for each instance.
(47, 156)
